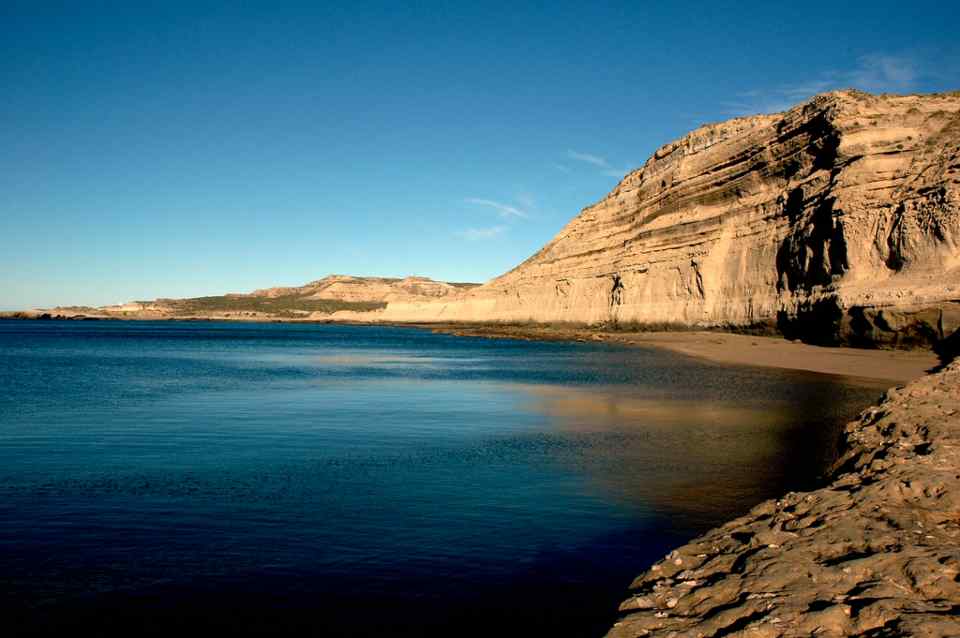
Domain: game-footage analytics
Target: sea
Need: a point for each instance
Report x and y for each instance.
(333, 480)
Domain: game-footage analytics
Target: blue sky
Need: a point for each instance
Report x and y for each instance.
(198, 148)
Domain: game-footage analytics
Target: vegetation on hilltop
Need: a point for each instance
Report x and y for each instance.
(280, 306)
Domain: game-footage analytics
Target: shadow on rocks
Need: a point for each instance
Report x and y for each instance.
(947, 350)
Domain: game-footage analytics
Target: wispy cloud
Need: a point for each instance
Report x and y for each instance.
(479, 234)
(876, 73)
(885, 73)
(527, 201)
(505, 210)
(508, 212)
(596, 160)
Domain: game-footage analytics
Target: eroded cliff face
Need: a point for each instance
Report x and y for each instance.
(839, 217)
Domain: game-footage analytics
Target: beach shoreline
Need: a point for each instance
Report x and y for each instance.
(896, 366)
(729, 348)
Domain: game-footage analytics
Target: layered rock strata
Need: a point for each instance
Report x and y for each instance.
(825, 221)
(875, 553)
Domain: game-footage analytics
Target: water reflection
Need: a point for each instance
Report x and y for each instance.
(699, 460)
(347, 480)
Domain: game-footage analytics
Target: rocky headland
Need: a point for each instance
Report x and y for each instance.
(837, 221)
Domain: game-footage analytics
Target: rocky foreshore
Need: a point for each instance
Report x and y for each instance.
(874, 553)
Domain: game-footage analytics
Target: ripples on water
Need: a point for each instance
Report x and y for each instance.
(335, 480)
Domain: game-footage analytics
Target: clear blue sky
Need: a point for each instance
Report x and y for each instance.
(197, 148)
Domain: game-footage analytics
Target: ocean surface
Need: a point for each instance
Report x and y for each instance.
(335, 480)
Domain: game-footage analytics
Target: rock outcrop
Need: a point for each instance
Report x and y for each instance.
(875, 553)
(836, 220)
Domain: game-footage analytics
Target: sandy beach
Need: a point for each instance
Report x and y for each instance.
(895, 366)
(899, 366)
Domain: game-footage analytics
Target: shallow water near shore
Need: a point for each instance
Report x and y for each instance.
(343, 480)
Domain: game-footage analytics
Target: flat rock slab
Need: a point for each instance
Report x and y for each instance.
(875, 553)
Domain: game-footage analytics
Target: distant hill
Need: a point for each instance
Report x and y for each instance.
(318, 299)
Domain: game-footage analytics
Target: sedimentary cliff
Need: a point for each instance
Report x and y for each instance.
(837, 219)
(875, 553)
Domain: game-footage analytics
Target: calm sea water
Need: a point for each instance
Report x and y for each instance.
(334, 480)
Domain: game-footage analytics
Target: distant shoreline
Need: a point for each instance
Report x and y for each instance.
(719, 346)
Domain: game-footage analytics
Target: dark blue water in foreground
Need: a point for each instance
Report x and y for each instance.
(332, 480)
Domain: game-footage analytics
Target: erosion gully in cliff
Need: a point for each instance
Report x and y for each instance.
(835, 221)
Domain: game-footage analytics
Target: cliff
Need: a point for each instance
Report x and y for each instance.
(836, 220)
